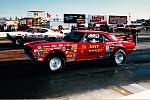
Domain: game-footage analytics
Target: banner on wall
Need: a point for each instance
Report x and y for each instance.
(117, 19)
(97, 19)
(74, 18)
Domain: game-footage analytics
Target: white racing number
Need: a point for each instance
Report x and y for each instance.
(96, 36)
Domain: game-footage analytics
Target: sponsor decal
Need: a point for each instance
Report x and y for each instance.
(66, 52)
(74, 55)
(92, 52)
(67, 44)
(68, 48)
(53, 46)
(74, 47)
(75, 50)
(63, 48)
(95, 51)
(60, 45)
(69, 52)
(46, 46)
(42, 54)
(39, 47)
(83, 47)
(107, 47)
(57, 48)
(69, 56)
(45, 49)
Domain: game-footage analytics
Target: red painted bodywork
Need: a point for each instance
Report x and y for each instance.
(77, 51)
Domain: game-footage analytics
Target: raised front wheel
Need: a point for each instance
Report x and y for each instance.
(56, 63)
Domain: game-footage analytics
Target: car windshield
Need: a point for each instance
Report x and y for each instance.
(73, 37)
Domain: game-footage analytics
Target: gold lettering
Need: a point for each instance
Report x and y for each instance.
(44, 49)
(95, 50)
(94, 46)
(69, 56)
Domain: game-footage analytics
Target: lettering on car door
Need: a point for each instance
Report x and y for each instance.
(91, 47)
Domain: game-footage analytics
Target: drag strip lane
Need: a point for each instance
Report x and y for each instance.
(6, 45)
(10, 55)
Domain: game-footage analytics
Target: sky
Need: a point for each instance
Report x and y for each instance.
(138, 9)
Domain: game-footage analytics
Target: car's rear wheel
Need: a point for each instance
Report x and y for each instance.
(119, 57)
(55, 63)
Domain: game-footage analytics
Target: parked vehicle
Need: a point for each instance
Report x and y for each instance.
(31, 34)
(65, 31)
(119, 28)
(80, 45)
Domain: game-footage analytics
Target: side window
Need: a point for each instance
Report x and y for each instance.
(105, 38)
(101, 38)
(93, 40)
(29, 30)
(43, 30)
(34, 30)
(38, 31)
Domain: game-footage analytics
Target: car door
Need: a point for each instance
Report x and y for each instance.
(91, 47)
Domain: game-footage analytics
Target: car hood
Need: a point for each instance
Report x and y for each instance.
(17, 33)
(46, 43)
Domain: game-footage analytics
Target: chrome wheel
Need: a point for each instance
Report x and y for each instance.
(18, 41)
(119, 58)
(55, 63)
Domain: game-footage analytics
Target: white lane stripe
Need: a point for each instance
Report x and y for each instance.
(144, 95)
(138, 86)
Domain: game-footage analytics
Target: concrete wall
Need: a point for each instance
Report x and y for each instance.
(3, 34)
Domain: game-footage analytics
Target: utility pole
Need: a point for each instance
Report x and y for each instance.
(129, 19)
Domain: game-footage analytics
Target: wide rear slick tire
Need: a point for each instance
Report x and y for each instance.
(55, 63)
(118, 58)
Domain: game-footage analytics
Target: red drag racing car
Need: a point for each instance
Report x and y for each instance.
(80, 45)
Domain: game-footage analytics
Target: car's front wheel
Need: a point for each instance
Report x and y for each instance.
(55, 63)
